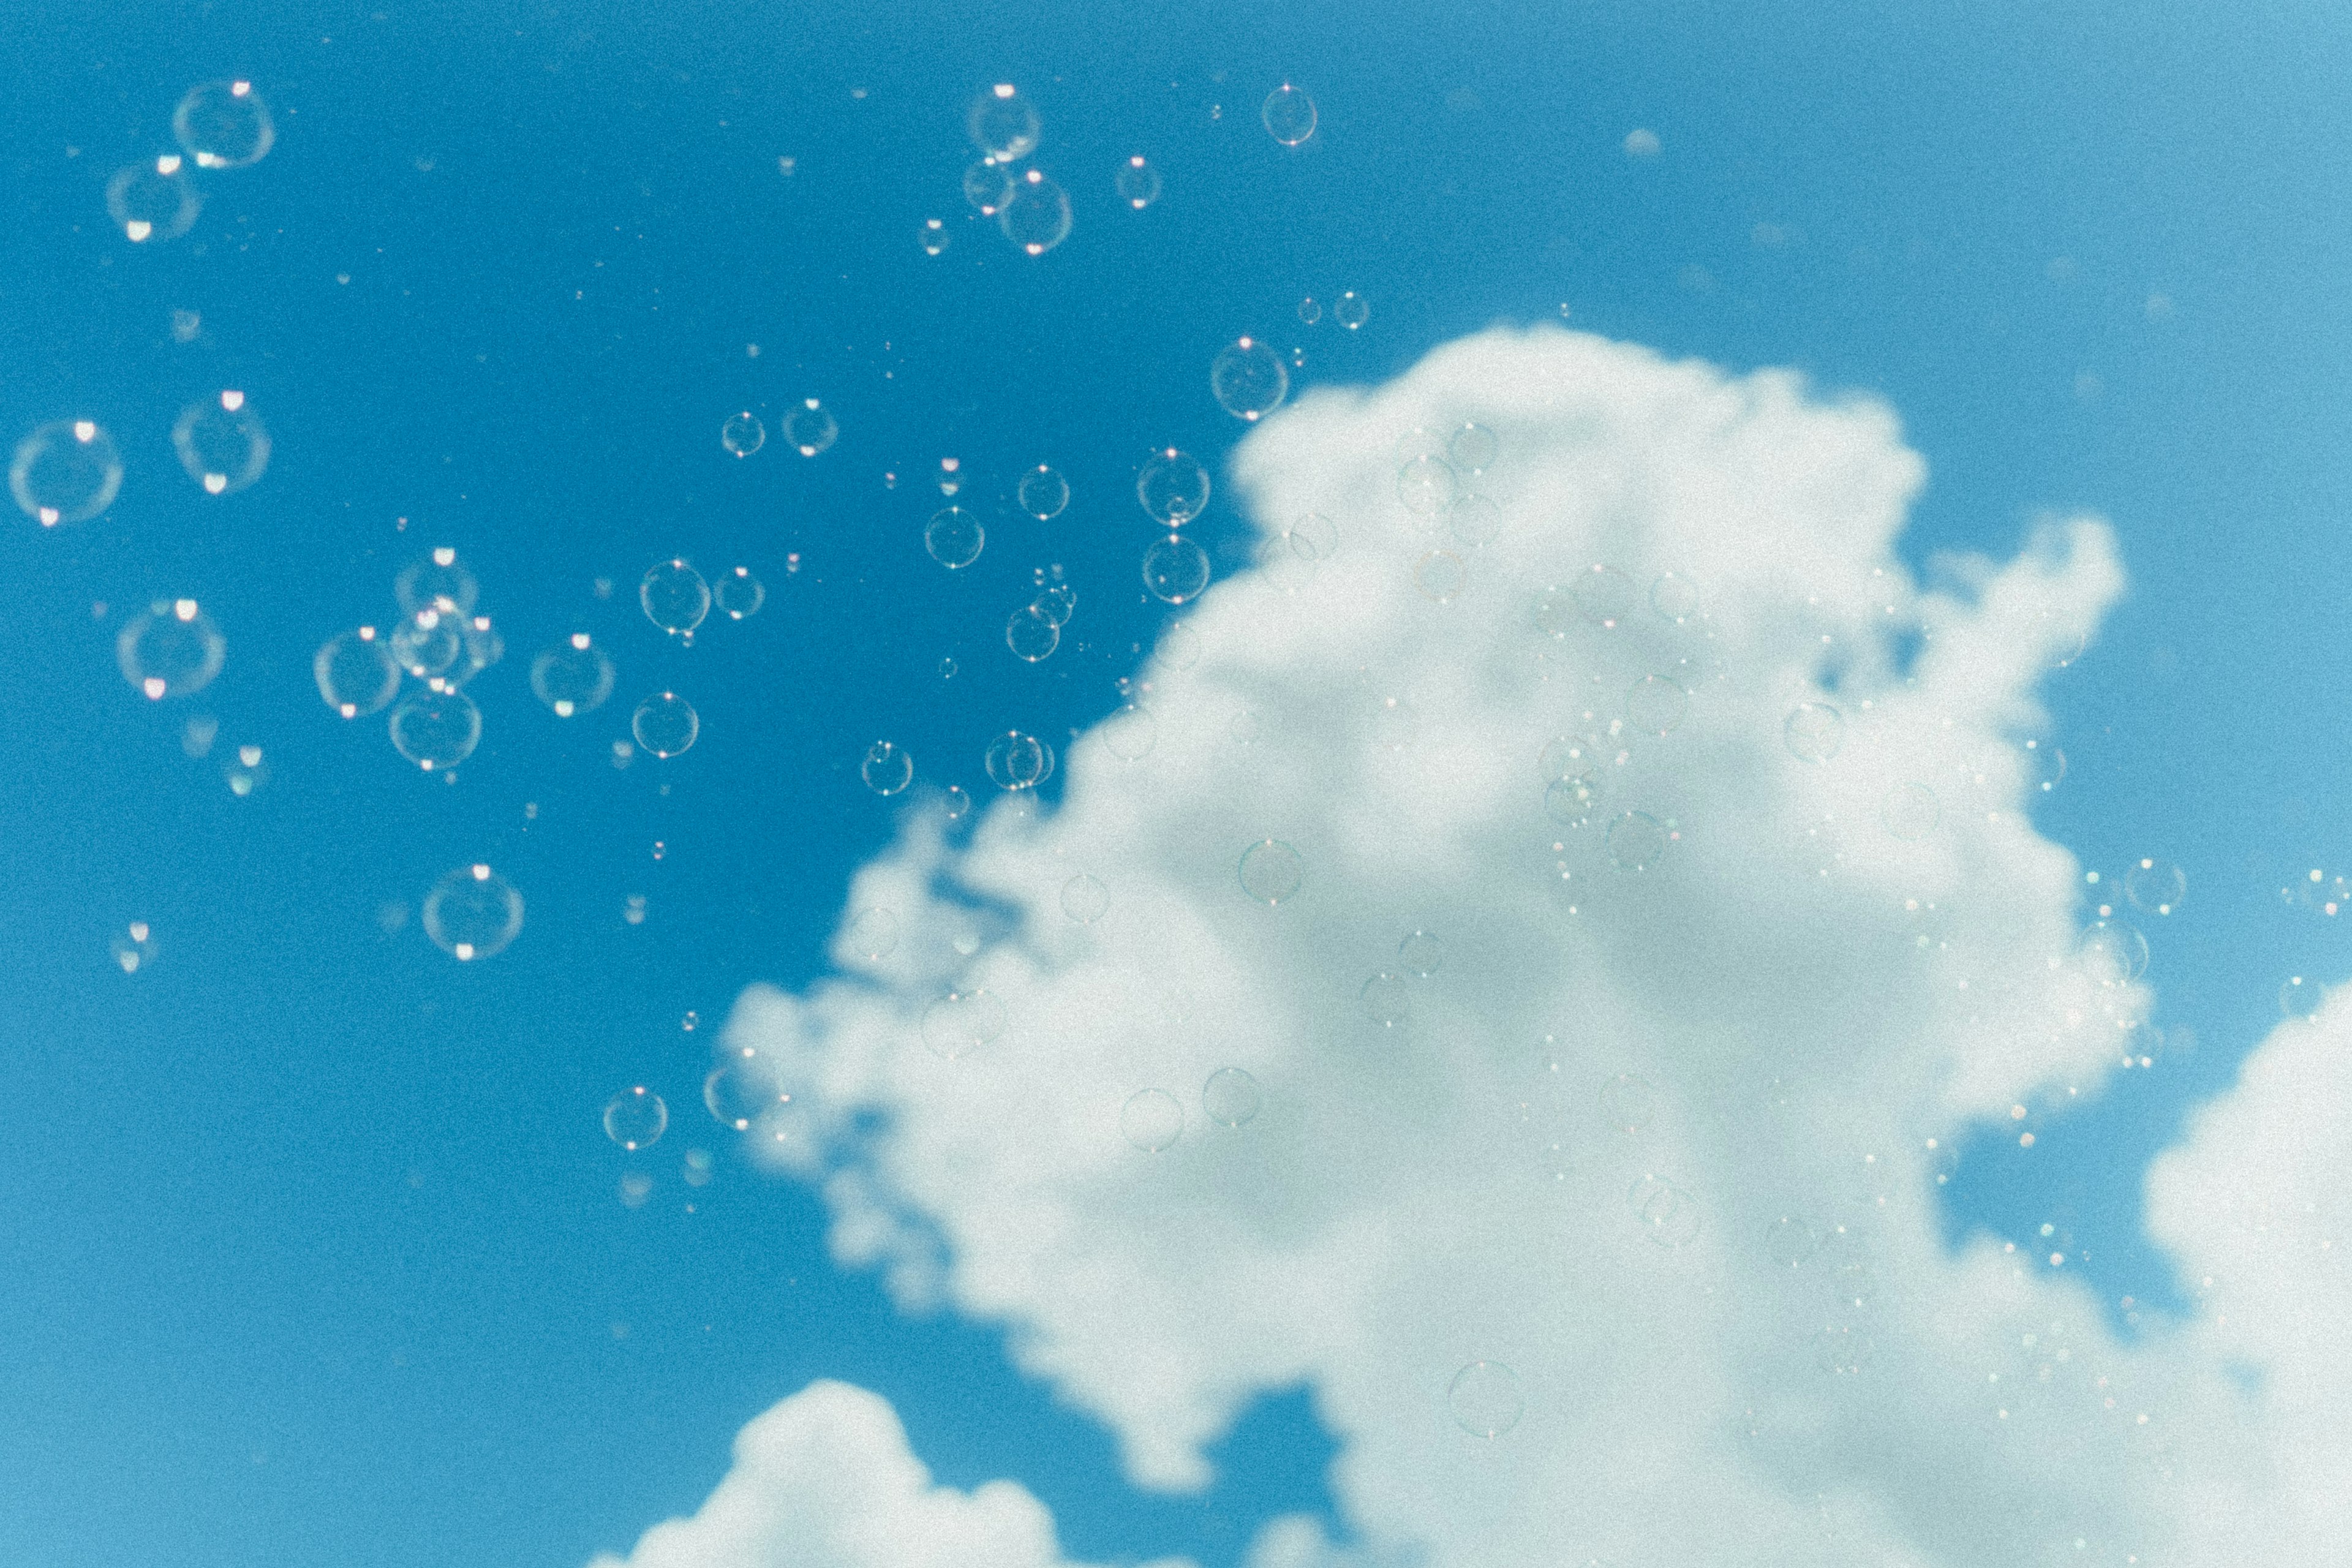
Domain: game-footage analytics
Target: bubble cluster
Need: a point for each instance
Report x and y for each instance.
(67, 470)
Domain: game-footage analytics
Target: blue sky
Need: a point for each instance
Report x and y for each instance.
(312, 1240)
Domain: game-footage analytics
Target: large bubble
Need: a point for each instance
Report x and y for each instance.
(1248, 379)
(954, 537)
(67, 470)
(573, 677)
(1175, 569)
(887, 768)
(665, 724)
(1043, 493)
(356, 672)
(472, 912)
(1271, 872)
(675, 597)
(1001, 123)
(170, 649)
(1036, 215)
(224, 125)
(811, 427)
(436, 730)
(1172, 486)
(1289, 115)
(1017, 761)
(153, 200)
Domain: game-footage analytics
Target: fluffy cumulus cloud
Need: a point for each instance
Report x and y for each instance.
(1665, 908)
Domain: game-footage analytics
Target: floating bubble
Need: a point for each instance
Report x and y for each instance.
(224, 125)
(675, 597)
(1289, 115)
(1271, 870)
(665, 724)
(1017, 761)
(1789, 1241)
(437, 582)
(1636, 840)
(1813, 732)
(987, 186)
(1425, 486)
(131, 949)
(1669, 1215)
(153, 200)
(1312, 536)
(811, 427)
(1570, 802)
(1043, 493)
(2156, 886)
(2115, 951)
(1175, 570)
(1910, 812)
(1475, 521)
(635, 1119)
(67, 470)
(1172, 486)
(1152, 1120)
(960, 1022)
(1084, 900)
(1139, 183)
(2045, 766)
(1056, 601)
(736, 1094)
(1420, 954)
(1001, 123)
(1248, 379)
(356, 672)
(482, 648)
(573, 677)
(1309, 311)
(1564, 757)
(932, 236)
(873, 934)
(1629, 1102)
(436, 730)
(1231, 1098)
(1245, 727)
(1129, 732)
(1179, 647)
(1352, 310)
(1032, 632)
(958, 803)
(743, 433)
(170, 649)
(2300, 998)
(1656, 705)
(1440, 577)
(1485, 1400)
(1472, 447)
(887, 768)
(1036, 216)
(739, 594)
(427, 644)
(472, 912)
(1604, 597)
(1842, 1349)
(1386, 1000)
(1675, 596)
(954, 537)
(243, 770)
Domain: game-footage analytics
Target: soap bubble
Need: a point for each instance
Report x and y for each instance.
(873, 935)
(1814, 731)
(1386, 999)
(960, 1022)
(1472, 447)
(934, 237)
(1656, 705)
(665, 724)
(1175, 570)
(1309, 312)
(224, 125)
(1289, 115)
(356, 673)
(436, 730)
(1084, 900)
(1440, 577)
(170, 649)
(1569, 801)
(1172, 486)
(1635, 841)
(2156, 886)
(1485, 1399)
(1604, 596)
(1179, 647)
(1271, 872)
(1152, 1120)
(426, 643)
(1420, 954)
(2300, 998)
(2113, 952)
(1043, 493)
(1789, 1241)
(811, 427)
(1036, 216)
(1425, 486)
(1475, 521)
(1139, 183)
(739, 594)
(1248, 379)
(887, 768)
(2045, 766)
(67, 470)
(987, 185)
(1564, 757)
(675, 597)
(1351, 310)
(472, 912)
(132, 948)
(635, 1119)
(1629, 1102)
(573, 677)
(1910, 812)
(738, 1093)
(1001, 123)
(436, 581)
(743, 434)
(1669, 1215)
(1018, 761)
(243, 770)
(1312, 536)
(1231, 1098)
(1675, 596)
(153, 199)
(1129, 732)
(954, 537)
(483, 646)
(1032, 632)
(958, 803)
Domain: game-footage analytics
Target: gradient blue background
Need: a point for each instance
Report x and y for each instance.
(310, 1249)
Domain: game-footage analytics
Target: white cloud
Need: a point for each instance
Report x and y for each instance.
(1830, 965)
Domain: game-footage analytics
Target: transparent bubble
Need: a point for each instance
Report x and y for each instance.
(1352, 310)
(1289, 115)
(665, 724)
(1564, 757)
(987, 185)
(482, 646)
(1036, 216)
(2156, 886)
(1129, 732)
(1245, 727)
(1570, 802)
(738, 1093)
(1472, 447)
(224, 125)
(1629, 1102)
(1271, 872)
(427, 643)
(472, 912)
(1139, 183)
(1043, 493)
(1636, 840)
(437, 582)
(1789, 1241)
(958, 803)
(635, 1119)
(1032, 632)
(873, 934)
(1475, 521)
(573, 677)
(1312, 536)
(1001, 123)
(954, 537)
(887, 768)
(1486, 1399)
(1669, 1215)
(1248, 379)
(1910, 812)
(934, 237)
(1152, 1120)
(1172, 486)
(960, 1022)
(1656, 705)
(1440, 577)
(675, 597)
(743, 433)
(170, 649)
(1018, 761)
(153, 199)
(132, 948)
(1386, 1000)
(1058, 601)
(1231, 1098)
(1309, 311)
(436, 730)
(2299, 997)
(1084, 900)
(1604, 596)
(739, 594)
(811, 427)
(2113, 952)
(1179, 647)
(67, 470)
(1842, 1349)
(1814, 731)
(1675, 596)
(243, 770)
(1175, 570)
(1426, 486)
(356, 673)
(1420, 954)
